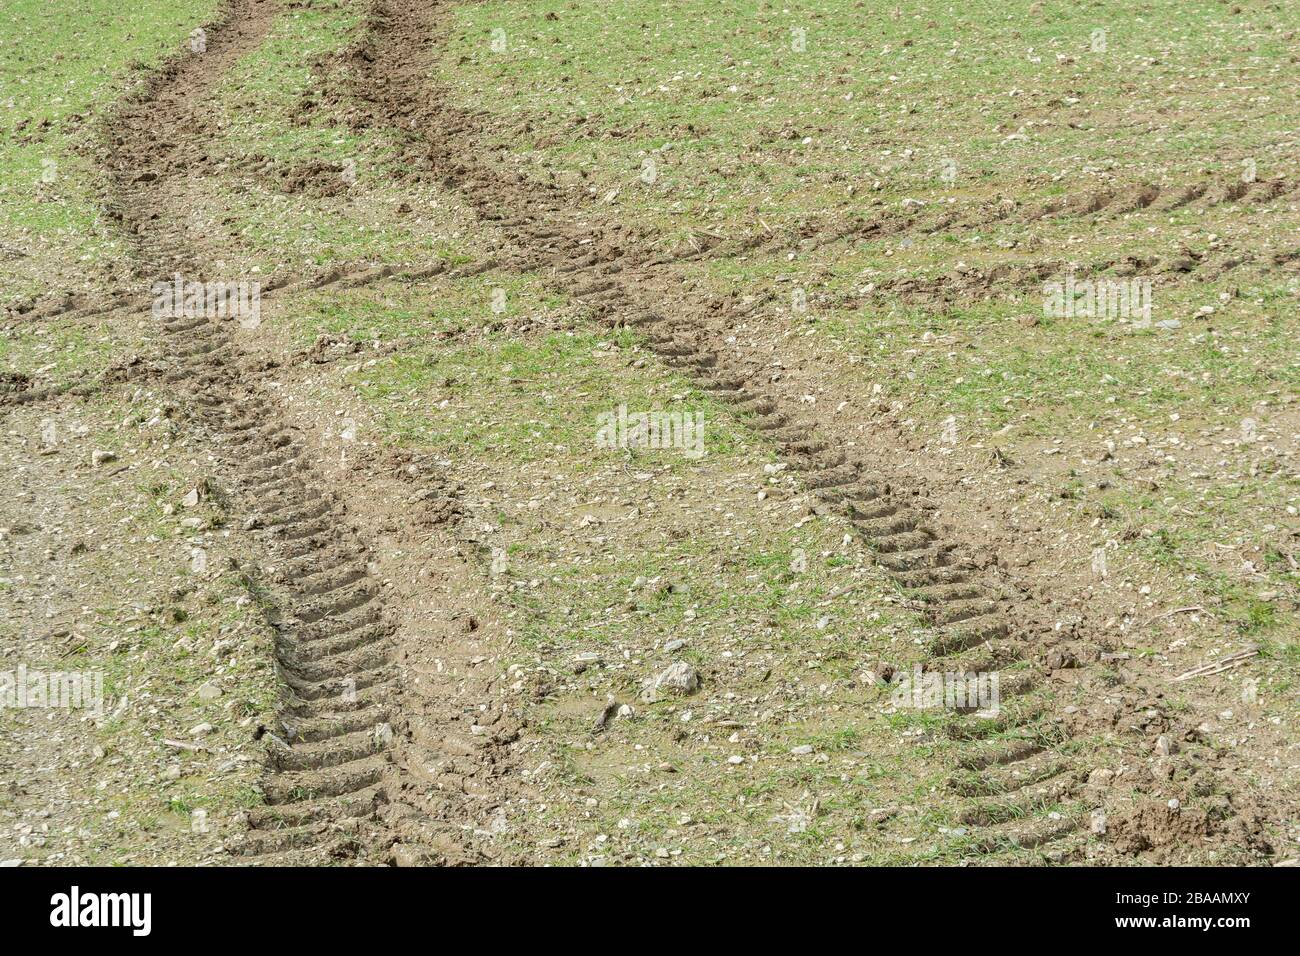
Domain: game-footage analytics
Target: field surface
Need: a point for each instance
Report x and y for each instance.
(587, 433)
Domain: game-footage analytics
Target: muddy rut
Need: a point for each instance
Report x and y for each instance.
(364, 765)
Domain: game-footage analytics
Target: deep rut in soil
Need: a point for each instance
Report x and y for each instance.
(1011, 770)
(363, 767)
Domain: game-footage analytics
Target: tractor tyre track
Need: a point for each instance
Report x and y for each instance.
(362, 766)
(1008, 769)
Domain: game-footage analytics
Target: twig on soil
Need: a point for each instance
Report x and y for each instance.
(839, 593)
(1177, 610)
(182, 745)
(1235, 659)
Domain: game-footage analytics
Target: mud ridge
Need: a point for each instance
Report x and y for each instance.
(893, 223)
(72, 308)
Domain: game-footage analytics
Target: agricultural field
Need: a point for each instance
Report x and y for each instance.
(570, 433)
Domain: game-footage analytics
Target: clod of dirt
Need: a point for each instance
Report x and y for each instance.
(1169, 826)
(14, 382)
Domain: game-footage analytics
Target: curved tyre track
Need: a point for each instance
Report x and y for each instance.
(1010, 771)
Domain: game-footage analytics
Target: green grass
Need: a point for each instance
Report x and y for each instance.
(61, 68)
(744, 121)
(542, 393)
